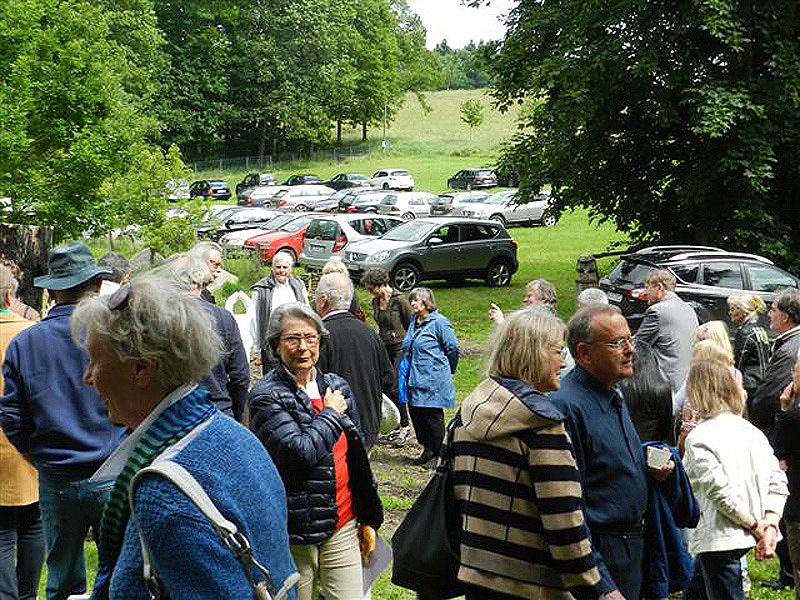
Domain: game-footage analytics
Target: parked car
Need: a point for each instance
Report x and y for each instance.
(469, 179)
(288, 237)
(255, 179)
(705, 276)
(503, 207)
(331, 235)
(452, 202)
(440, 248)
(361, 201)
(177, 189)
(344, 181)
(329, 204)
(302, 179)
(392, 179)
(236, 239)
(211, 189)
(260, 195)
(300, 197)
(409, 205)
(236, 220)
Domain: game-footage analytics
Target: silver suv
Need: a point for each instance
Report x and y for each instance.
(329, 236)
(438, 248)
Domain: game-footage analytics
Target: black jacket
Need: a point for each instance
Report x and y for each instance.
(766, 399)
(750, 355)
(300, 441)
(355, 352)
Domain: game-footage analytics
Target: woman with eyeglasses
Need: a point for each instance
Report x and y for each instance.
(308, 422)
(149, 344)
(514, 477)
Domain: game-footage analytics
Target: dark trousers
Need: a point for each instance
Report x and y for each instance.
(722, 574)
(429, 427)
(21, 534)
(624, 557)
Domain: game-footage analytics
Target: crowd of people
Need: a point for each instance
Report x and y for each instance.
(590, 462)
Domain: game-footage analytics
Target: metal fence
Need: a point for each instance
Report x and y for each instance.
(268, 163)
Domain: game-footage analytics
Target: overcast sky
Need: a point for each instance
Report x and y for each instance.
(458, 24)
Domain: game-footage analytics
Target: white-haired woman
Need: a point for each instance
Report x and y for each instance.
(751, 344)
(148, 344)
(308, 422)
(425, 378)
(279, 287)
(515, 479)
(735, 477)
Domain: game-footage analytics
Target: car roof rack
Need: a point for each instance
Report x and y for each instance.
(720, 256)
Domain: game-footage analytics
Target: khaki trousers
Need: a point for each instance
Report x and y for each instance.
(335, 565)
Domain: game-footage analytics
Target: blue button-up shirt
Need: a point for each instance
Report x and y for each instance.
(607, 450)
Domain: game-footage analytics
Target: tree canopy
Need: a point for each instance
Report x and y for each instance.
(676, 120)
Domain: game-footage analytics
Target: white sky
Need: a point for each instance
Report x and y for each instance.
(458, 24)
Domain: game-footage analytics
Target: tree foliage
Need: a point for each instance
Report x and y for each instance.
(472, 113)
(676, 120)
(464, 68)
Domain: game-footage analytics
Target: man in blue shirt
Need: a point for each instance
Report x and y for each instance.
(607, 449)
(49, 414)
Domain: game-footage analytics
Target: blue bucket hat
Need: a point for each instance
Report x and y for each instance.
(68, 266)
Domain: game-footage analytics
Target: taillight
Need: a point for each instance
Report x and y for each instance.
(395, 209)
(351, 209)
(514, 245)
(341, 241)
(282, 201)
(638, 294)
(449, 207)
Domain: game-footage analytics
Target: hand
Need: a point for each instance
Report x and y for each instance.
(495, 314)
(661, 473)
(615, 595)
(256, 358)
(765, 548)
(366, 541)
(335, 400)
(787, 397)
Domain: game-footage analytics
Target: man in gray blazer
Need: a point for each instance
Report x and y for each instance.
(668, 327)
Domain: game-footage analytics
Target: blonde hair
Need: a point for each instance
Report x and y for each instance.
(519, 346)
(750, 304)
(712, 390)
(7, 284)
(718, 332)
(335, 265)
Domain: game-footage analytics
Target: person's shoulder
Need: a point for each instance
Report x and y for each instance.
(537, 402)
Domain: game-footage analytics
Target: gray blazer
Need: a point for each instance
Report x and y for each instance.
(668, 327)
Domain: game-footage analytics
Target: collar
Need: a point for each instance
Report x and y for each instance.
(789, 333)
(110, 469)
(333, 313)
(61, 310)
(603, 397)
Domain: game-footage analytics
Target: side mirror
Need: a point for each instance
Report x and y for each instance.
(435, 241)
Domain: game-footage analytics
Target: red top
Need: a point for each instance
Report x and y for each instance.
(344, 498)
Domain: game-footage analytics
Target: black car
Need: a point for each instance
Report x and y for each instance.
(705, 276)
(470, 179)
(255, 179)
(211, 189)
(344, 181)
(302, 179)
(361, 200)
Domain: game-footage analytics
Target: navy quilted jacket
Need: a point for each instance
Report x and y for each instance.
(300, 441)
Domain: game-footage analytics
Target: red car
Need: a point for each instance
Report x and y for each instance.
(288, 237)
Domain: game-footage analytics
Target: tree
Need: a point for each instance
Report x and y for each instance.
(677, 120)
(472, 113)
(73, 107)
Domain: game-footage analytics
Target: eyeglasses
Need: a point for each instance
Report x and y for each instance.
(618, 344)
(119, 299)
(215, 263)
(311, 339)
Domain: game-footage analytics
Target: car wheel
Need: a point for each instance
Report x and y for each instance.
(408, 216)
(301, 208)
(549, 219)
(386, 186)
(499, 218)
(405, 277)
(499, 273)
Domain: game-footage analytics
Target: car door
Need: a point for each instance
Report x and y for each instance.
(718, 280)
(477, 243)
(440, 257)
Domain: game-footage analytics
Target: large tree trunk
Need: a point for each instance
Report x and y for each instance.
(339, 131)
(28, 246)
(364, 131)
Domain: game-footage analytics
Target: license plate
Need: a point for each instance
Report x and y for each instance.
(315, 248)
(614, 296)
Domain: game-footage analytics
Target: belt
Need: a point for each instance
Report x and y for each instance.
(618, 528)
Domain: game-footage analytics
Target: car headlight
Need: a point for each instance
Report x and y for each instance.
(380, 256)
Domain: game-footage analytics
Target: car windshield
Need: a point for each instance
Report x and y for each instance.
(277, 221)
(400, 173)
(357, 177)
(389, 200)
(631, 271)
(412, 231)
(224, 215)
(295, 225)
(473, 200)
(497, 199)
(280, 193)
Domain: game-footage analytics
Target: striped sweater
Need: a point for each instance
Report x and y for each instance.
(518, 488)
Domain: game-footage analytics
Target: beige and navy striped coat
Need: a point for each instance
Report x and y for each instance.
(518, 489)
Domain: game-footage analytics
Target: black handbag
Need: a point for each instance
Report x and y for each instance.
(425, 545)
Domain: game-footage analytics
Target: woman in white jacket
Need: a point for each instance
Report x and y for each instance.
(735, 477)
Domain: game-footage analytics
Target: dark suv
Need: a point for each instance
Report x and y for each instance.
(706, 276)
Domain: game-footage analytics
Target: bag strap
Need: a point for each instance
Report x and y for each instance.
(233, 539)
